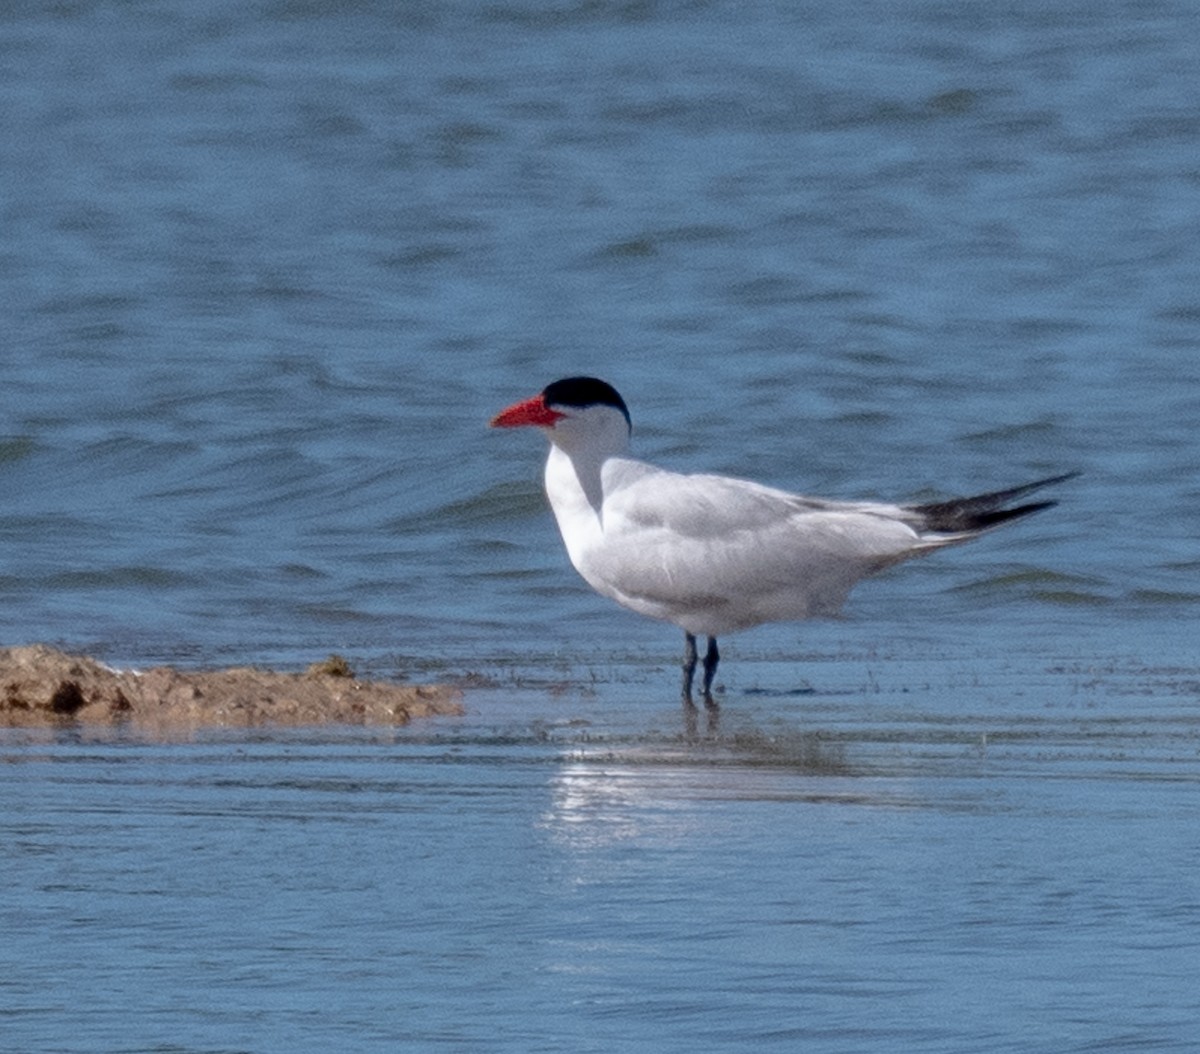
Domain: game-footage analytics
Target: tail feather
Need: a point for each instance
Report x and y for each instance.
(982, 511)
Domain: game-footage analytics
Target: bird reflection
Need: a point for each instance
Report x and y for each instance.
(691, 720)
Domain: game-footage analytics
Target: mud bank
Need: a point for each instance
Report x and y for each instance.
(40, 686)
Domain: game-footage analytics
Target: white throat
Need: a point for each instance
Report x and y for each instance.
(580, 446)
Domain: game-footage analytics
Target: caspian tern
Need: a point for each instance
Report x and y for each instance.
(714, 554)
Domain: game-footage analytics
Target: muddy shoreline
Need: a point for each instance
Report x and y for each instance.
(43, 687)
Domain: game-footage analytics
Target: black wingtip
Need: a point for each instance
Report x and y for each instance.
(984, 520)
(982, 511)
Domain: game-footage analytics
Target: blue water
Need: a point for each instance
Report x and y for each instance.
(267, 270)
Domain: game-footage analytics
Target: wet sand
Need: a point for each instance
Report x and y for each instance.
(41, 686)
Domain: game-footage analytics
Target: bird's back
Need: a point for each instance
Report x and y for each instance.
(715, 554)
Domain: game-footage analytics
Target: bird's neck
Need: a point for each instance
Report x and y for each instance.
(574, 483)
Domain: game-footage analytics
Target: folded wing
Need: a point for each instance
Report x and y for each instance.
(734, 553)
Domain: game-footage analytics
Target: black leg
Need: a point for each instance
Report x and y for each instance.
(711, 658)
(689, 665)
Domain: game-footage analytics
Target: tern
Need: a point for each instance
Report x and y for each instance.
(715, 554)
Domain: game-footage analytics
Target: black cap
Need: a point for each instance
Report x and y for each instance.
(584, 391)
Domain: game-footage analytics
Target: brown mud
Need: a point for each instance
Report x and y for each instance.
(41, 687)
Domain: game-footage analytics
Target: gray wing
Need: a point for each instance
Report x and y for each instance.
(714, 543)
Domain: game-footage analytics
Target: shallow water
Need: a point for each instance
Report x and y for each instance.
(268, 269)
(1004, 866)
